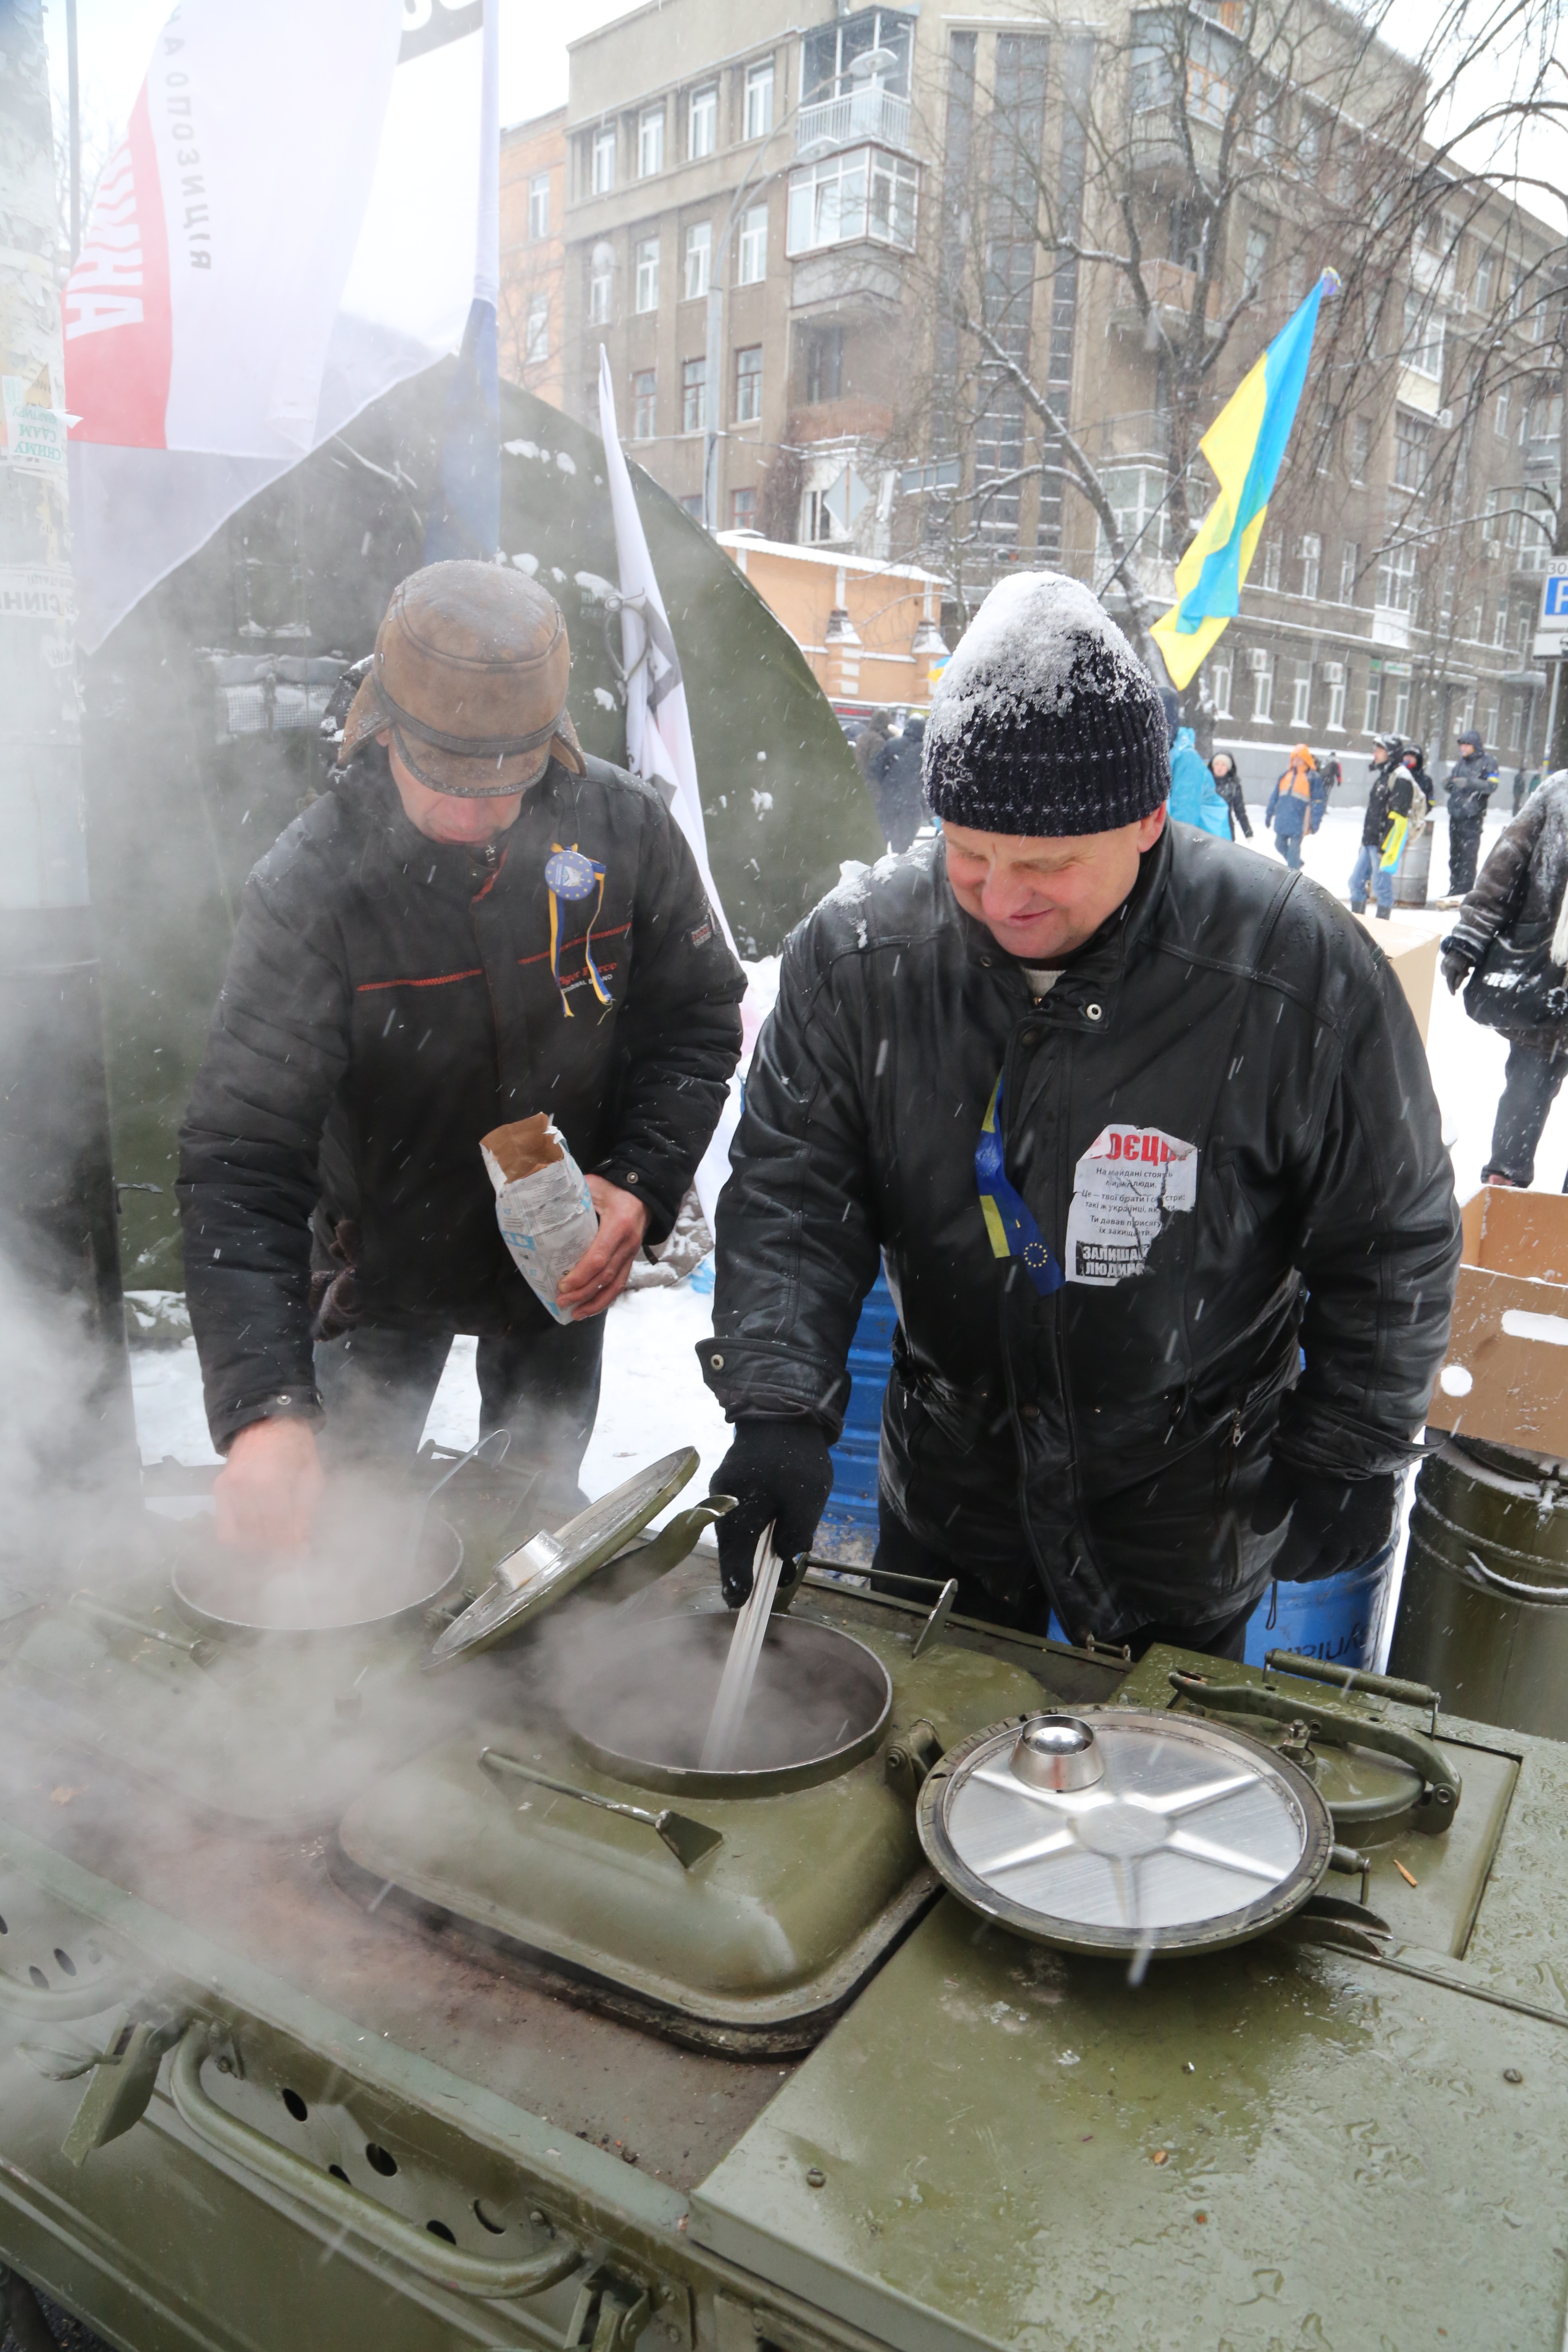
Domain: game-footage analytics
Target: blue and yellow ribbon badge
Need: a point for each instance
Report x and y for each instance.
(569, 876)
(1008, 1220)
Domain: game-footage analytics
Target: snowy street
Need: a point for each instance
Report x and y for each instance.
(653, 1398)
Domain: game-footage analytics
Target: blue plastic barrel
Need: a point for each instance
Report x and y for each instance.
(1338, 1620)
(854, 1497)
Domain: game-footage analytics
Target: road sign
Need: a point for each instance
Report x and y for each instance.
(1552, 620)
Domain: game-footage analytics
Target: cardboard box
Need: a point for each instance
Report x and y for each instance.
(1410, 947)
(1506, 1377)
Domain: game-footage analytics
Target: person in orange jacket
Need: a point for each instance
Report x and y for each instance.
(1289, 804)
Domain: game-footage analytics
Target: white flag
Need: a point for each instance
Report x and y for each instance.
(659, 731)
(293, 223)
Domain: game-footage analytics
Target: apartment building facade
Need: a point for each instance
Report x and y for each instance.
(530, 321)
(811, 167)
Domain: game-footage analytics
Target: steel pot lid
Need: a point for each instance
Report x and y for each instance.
(548, 1566)
(1187, 1837)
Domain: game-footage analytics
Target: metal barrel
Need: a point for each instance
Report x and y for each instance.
(853, 1502)
(1337, 1620)
(1483, 1615)
(1415, 870)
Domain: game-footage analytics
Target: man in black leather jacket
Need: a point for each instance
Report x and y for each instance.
(476, 923)
(1130, 1117)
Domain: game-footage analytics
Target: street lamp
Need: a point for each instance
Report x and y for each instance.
(716, 283)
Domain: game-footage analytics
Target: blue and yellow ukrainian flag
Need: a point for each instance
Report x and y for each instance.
(1244, 446)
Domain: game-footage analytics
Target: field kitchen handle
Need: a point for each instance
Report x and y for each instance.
(347, 2208)
(1441, 1786)
(1554, 1596)
(42, 2004)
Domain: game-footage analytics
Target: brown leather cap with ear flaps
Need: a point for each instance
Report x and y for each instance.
(470, 673)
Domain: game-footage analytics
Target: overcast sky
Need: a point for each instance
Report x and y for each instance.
(115, 39)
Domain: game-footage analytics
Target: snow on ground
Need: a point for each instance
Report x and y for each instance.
(652, 1399)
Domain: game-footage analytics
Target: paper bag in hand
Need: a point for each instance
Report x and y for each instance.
(543, 1208)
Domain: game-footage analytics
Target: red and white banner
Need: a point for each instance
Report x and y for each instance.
(294, 220)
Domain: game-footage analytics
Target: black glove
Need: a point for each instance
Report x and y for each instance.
(1456, 970)
(1334, 1523)
(777, 1470)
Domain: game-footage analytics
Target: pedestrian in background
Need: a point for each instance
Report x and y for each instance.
(1384, 828)
(1289, 804)
(871, 738)
(894, 776)
(1470, 784)
(1227, 783)
(1196, 798)
(1525, 781)
(1508, 950)
(1326, 774)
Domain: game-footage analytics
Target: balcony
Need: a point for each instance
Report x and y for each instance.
(869, 114)
(860, 279)
(1156, 144)
(1172, 290)
(1390, 628)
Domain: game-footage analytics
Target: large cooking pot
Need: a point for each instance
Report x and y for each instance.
(1483, 1613)
(640, 1704)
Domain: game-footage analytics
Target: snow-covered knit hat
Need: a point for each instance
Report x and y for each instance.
(1044, 721)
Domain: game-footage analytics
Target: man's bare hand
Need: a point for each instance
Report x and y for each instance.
(599, 1276)
(267, 1492)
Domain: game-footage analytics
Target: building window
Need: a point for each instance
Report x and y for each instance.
(1256, 260)
(647, 274)
(1374, 702)
(1499, 415)
(693, 506)
(536, 336)
(1485, 278)
(867, 193)
(1412, 450)
(650, 141)
(602, 176)
(759, 116)
(1263, 690)
(694, 395)
(539, 205)
(754, 250)
(823, 364)
(1361, 447)
(601, 282)
(702, 123)
(1302, 695)
(743, 510)
(1312, 564)
(1423, 350)
(1337, 702)
(1220, 686)
(1499, 627)
(1350, 570)
(1137, 498)
(818, 516)
(699, 254)
(1273, 559)
(645, 391)
(1397, 579)
(1401, 705)
(749, 386)
(1477, 623)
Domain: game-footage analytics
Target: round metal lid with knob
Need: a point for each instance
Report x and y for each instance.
(1116, 1830)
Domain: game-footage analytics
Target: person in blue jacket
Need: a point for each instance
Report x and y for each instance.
(1196, 798)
